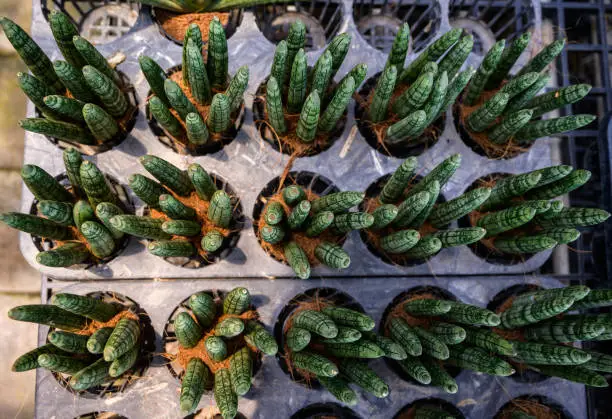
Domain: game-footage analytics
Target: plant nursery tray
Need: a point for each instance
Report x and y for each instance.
(274, 395)
(249, 163)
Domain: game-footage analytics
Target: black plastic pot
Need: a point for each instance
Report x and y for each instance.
(266, 133)
(325, 410)
(123, 133)
(557, 409)
(209, 147)
(43, 244)
(307, 180)
(434, 403)
(170, 341)
(146, 341)
(229, 243)
(334, 296)
(373, 191)
(437, 292)
(401, 149)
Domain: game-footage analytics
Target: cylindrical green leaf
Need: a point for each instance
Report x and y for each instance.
(113, 99)
(544, 57)
(332, 255)
(202, 182)
(522, 315)
(164, 117)
(89, 307)
(102, 126)
(188, 332)
(31, 54)
(65, 255)
(56, 129)
(309, 118)
(155, 76)
(220, 209)
(485, 115)
(196, 73)
(219, 115)
(297, 83)
(95, 185)
(237, 86)
(72, 78)
(44, 186)
(95, 59)
(382, 94)
(145, 227)
(171, 248)
(274, 106)
(217, 55)
(36, 225)
(543, 128)
(486, 68)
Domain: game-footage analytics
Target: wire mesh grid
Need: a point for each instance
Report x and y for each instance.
(100, 21)
(587, 59)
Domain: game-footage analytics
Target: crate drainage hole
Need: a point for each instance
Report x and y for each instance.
(126, 123)
(137, 372)
(372, 192)
(170, 342)
(43, 244)
(332, 295)
(174, 25)
(322, 142)
(182, 145)
(325, 411)
(309, 181)
(321, 18)
(432, 402)
(100, 21)
(378, 22)
(500, 302)
(229, 243)
(490, 21)
(432, 291)
(533, 406)
(484, 251)
(403, 149)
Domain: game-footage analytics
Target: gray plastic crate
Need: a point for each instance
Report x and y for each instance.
(274, 395)
(248, 163)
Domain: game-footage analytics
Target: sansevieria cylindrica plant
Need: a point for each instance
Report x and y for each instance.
(202, 6)
(302, 229)
(72, 220)
(219, 341)
(543, 334)
(300, 110)
(93, 341)
(82, 99)
(333, 344)
(409, 222)
(198, 105)
(400, 109)
(440, 334)
(501, 112)
(521, 216)
(188, 215)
